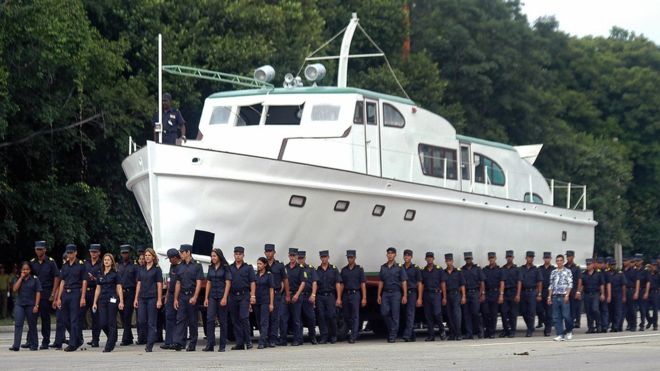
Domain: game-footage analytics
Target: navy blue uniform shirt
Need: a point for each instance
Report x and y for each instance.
(264, 284)
(545, 272)
(312, 277)
(392, 277)
(188, 274)
(241, 277)
(171, 280)
(217, 277)
(453, 279)
(473, 276)
(511, 275)
(531, 275)
(279, 274)
(631, 277)
(414, 274)
(618, 280)
(591, 282)
(95, 270)
(127, 274)
(432, 277)
(172, 123)
(45, 272)
(297, 275)
(328, 278)
(149, 279)
(493, 277)
(108, 283)
(352, 278)
(73, 274)
(28, 290)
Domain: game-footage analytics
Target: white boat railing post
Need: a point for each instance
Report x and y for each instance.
(159, 128)
(486, 180)
(568, 196)
(444, 172)
(552, 192)
(531, 190)
(584, 197)
(412, 161)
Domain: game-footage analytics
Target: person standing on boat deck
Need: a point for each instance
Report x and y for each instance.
(108, 298)
(354, 288)
(127, 274)
(27, 290)
(512, 287)
(632, 294)
(309, 297)
(453, 296)
(173, 123)
(544, 309)
(475, 292)
(414, 284)
(618, 282)
(494, 285)
(281, 287)
(148, 296)
(329, 298)
(188, 285)
(71, 295)
(297, 281)
(170, 312)
(218, 285)
(243, 294)
(45, 269)
(392, 292)
(265, 293)
(431, 286)
(576, 293)
(559, 293)
(532, 284)
(93, 267)
(593, 283)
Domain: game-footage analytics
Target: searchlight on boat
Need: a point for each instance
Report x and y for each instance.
(315, 72)
(264, 73)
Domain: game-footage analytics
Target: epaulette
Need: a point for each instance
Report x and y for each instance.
(80, 262)
(268, 272)
(415, 265)
(400, 265)
(437, 266)
(305, 274)
(458, 269)
(35, 277)
(333, 267)
(51, 259)
(301, 266)
(598, 270)
(311, 266)
(577, 266)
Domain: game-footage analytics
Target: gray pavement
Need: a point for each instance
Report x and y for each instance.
(615, 351)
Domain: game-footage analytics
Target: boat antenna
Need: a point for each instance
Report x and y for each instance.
(344, 55)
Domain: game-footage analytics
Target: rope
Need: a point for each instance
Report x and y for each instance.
(319, 49)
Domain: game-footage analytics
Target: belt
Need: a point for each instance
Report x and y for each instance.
(390, 291)
(452, 291)
(90, 288)
(410, 291)
(433, 290)
(128, 289)
(351, 291)
(509, 288)
(188, 292)
(472, 290)
(592, 292)
(238, 292)
(71, 289)
(327, 293)
(558, 294)
(529, 288)
(495, 289)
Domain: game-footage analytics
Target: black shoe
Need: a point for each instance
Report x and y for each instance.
(125, 343)
(221, 349)
(443, 336)
(648, 326)
(469, 337)
(177, 347)
(539, 325)
(260, 346)
(577, 325)
(391, 340)
(313, 340)
(407, 340)
(140, 342)
(56, 347)
(106, 350)
(334, 340)
(511, 335)
(528, 334)
(480, 335)
(94, 344)
(34, 349)
(491, 336)
(66, 341)
(207, 348)
(503, 334)
(166, 346)
(296, 344)
(70, 349)
(238, 347)
(282, 343)
(451, 337)
(351, 341)
(43, 347)
(14, 349)
(641, 327)
(323, 341)
(191, 348)
(271, 345)
(25, 346)
(459, 338)
(148, 349)
(430, 338)
(546, 334)
(248, 346)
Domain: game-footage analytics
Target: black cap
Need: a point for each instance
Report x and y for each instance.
(350, 253)
(323, 253)
(167, 97)
(407, 252)
(600, 260)
(239, 249)
(509, 253)
(140, 249)
(293, 251)
(95, 247)
(589, 261)
(269, 247)
(610, 260)
(429, 254)
(185, 247)
(302, 254)
(492, 255)
(172, 253)
(547, 254)
(391, 249)
(125, 248)
(449, 256)
(71, 247)
(639, 256)
(570, 253)
(40, 245)
(467, 255)
(530, 254)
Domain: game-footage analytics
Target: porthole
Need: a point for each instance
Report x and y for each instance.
(409, 215)
(341, 206)
(297, 201)
(378, 210)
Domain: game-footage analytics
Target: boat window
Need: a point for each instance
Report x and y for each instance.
(220, 115)
(372, 113)
(358, 115)
(249, 115)
(465, 162)
(392, 117)
(284, 115)
(494, 172)
(325, 112)
(535, 198)
(434, 159)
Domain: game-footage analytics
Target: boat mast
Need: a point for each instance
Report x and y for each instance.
(342, 74)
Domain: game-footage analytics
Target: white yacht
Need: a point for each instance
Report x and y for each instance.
(337, 168)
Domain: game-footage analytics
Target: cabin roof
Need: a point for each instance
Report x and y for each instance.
(311, 90)
(465, 138)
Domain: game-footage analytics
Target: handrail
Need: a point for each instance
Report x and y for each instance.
(201, 73)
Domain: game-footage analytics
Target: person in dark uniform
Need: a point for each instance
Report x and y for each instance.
(148, 296)
(453, 296)
(108, 299)
(593, 285)
(218, 286)
(544, 310)
(62, 325)
(432, 288)
(532, 283)
(170, 313)
(173, 122)
(281, 283)
(265, 297)
(243, 294)
(71, 295)
(188, 285)
(45, 269)
(575, 298)
(297, 281)
(309, 297)
(494, 285)
(93, 269)
(618, 283)
(392, 292)
(654, 277)
(644, 290)
(475, 292)
(632, 294)
(605, 303)
(354, 288)
(414, 284)
(141, 331)
(127, 275)
(27, 291)
(329, 298)
(512, 278)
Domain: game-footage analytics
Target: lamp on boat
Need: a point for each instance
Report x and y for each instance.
(264, 73)
(315, 72)
(288, 80)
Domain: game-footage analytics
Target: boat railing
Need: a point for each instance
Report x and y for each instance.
(565, 194)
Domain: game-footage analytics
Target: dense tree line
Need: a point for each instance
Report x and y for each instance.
(77, 78)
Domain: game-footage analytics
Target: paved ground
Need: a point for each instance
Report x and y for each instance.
(617, 351)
